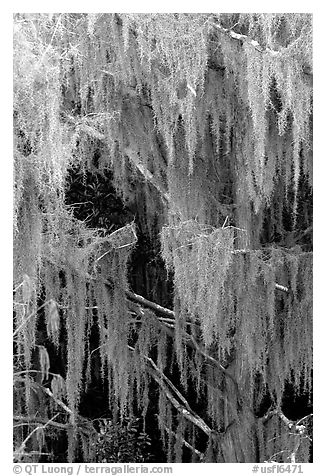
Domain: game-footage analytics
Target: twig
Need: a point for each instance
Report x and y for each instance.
(41, 421)
(31, 371)
(30, 316)
(32, 453)
(225, 221)
(271, 460)
(125, 246)
(19, 286)
(50, 42)
(39, 427)
(304, 418)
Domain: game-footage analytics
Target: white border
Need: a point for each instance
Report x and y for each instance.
(319, 201)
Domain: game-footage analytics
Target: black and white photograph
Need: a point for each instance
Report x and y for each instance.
(162, 241)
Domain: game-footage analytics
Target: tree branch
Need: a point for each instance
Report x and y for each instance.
(292, 425)
(296, 428)
(160, 309)
(30, 316)
(213, 362)
(46, 390)
(306, 69)
(41, 422)
(168, 328)
(243, 38)
(183, 441)
(57, 401)
(143, 301)
(191, 342)
(134, 159)
(168, 388)
(40, 426)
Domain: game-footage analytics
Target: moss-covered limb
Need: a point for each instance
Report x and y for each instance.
(16, 375)
(57, 400)
(191, 342)
(210, 360)
(160, 309)
(83, 425)
(243, 39)
(134, 159)
(25, 321)
(169, 389)
(183, 441)
(38, 386)
(296, 426)
(166, 380)
(39, 427)
(38, 421)
(252, 43)
(173, 394)
(143, 301)
(297, 430)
